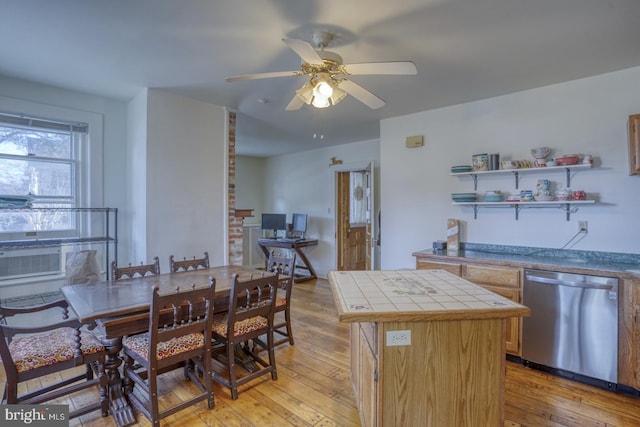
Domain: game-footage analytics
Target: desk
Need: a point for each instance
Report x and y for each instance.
(122, 308)
(297, 246)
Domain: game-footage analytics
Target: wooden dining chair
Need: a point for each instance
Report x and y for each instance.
(250, 316)
(284, 266)
(133, 271)
(179, 331)
(31, 352)
(188, 264)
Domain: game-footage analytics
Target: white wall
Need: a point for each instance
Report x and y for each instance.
(249, 176)
(186, 178)
(304, 182)
(111, 112)
(587, 116)
(163, 165)
(110, 158)
(136, 184)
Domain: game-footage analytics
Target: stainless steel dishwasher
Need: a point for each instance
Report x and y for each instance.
(574, 323)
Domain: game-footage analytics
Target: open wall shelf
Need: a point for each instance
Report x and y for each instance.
(569, 206)
(516, 172)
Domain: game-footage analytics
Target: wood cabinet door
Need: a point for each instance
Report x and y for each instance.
(501, 276)
(354, 342)
(629, 333)
(634, 144)
(513, 336)
(368, 383)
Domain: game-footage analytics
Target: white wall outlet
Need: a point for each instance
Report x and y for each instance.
(396, 338)
(583, 226)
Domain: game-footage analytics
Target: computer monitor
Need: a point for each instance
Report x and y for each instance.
(299, 223)
(274, 221)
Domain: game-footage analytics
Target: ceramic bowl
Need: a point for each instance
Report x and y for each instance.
(540, 152)
(567, 160)
(564, 194)
(493, 197)
(538, 197)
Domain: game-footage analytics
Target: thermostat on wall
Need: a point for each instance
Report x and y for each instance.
(415, 141)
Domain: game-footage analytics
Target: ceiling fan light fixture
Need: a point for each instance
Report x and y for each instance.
(323, 89)
(320, 102)
(305, 93)
(337, 95)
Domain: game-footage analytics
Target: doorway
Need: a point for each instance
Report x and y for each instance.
(354, 225)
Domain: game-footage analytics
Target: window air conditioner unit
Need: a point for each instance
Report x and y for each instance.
(17, 263)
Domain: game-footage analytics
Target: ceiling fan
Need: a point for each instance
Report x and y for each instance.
(328, 77)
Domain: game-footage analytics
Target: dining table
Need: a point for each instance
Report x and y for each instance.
(120, 308)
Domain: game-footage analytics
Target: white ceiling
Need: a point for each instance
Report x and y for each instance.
(464, 50)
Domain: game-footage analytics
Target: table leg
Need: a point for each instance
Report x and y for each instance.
(120, 408)
(265, 251)
(307, 265)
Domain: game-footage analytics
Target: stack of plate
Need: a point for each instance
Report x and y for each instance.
(460, 169)
(463, 197)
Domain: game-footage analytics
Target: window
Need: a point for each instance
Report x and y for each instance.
(359, 197)
(40, 159)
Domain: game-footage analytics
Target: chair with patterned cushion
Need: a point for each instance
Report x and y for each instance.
(31, 352)
(284, 266)
(179, 335)
(132, 271)
(250, 316)
(188, 264)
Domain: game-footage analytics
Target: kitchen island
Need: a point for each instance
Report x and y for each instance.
(427, 347)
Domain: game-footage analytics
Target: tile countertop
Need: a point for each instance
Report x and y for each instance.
(586, 262)
(415, 295)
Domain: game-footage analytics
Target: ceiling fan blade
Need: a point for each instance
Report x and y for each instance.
(262, 76)
(361, 94)
(398, 67)
(305, 51)
(295, 104)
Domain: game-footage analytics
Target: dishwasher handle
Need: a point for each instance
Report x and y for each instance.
(564, 282)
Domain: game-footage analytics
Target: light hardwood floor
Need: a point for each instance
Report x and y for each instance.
(314, 389)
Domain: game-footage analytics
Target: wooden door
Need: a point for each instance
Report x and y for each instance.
(355, 236)
(356, 256)
(369, 242)
(342, 218)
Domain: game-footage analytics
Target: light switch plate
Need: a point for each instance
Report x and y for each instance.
(415, 141)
